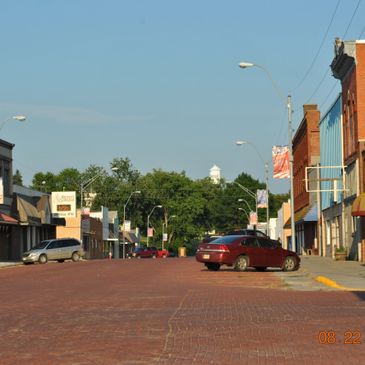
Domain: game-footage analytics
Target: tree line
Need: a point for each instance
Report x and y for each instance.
(190, 208)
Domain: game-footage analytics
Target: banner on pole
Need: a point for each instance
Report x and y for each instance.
(280, 157)
(261, 197)
(150, 232)
(253, 218)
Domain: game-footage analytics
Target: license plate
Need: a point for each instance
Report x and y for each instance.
(206, 257)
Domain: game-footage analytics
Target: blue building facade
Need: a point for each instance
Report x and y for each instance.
(331, 154)
(332, 178)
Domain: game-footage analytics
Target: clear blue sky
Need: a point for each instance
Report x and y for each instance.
(158, 81)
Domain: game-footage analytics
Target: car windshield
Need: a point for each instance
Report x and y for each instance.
(41, 245)
(226, 240)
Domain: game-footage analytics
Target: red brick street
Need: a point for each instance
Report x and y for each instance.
(174, 312)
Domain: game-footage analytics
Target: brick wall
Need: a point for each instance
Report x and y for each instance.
(306, 152)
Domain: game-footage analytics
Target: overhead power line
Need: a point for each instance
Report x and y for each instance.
(352, 18)
(344, 35)
(319, 49)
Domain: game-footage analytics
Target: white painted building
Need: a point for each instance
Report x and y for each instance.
(215, 174)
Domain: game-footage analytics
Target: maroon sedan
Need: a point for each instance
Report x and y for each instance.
(242, 252)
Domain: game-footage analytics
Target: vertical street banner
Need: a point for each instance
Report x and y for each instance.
(253, 218)
(261, 197)
(1, 191)
(150, 232)
(280, 157)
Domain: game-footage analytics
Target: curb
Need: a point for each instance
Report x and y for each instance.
(333, 284)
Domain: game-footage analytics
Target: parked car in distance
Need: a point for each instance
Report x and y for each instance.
(161, 253)
(54, 249)
(247, 232)
(242, 252)
(144, 252)
(209, 238)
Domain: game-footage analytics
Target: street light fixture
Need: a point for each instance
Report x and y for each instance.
(244, 210)
(148, 218)
(19, 118)
(287, 104)
(245, 201)
(241, 143)
(124, 209)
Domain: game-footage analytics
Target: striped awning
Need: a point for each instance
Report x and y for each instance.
(358, 206)
(6, 219)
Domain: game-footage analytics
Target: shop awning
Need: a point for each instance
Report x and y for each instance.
(129, 236)
(28, 213)
(305, 215)
(6, 219)
(358, 206)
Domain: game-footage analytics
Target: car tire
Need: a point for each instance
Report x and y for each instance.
(289, 264)
(163, 256)
(138, 256)
(153, 256)
(241, 263)
(213, 266)
(260, 268)
(75, 257)
(42, 259)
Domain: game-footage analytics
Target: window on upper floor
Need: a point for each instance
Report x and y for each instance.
(5, 175)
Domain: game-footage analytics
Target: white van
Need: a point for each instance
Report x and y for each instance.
(55, 249)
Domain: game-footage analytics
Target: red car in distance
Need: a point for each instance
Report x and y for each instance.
(242, 252)
(148, 252)
(144, 252)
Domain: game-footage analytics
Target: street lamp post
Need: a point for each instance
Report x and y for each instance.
(287, 104)
(163, 231)
(148, 218)
(124, 209)
(85, 184)
(19, 118)
(242, 142)
(249, 192)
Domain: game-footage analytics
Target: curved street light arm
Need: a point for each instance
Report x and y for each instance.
(20, 118)
(268, 74)
(249, 192)
(248, 205)
(243, 209)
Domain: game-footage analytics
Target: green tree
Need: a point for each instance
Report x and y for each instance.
(17, 178)
(44, 182)
(68, 180)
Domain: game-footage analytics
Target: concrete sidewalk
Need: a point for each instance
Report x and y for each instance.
(10, 263)
(342, 275)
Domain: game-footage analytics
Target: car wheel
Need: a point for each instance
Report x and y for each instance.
(42, 259)
(289, 264)
(241, 263)
(163, 256)
(213, 266)
(138, 256)
(261, 268)
(153, 256)
(75, 257)
(61, 260)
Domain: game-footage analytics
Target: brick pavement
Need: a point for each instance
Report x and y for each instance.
(169, 311)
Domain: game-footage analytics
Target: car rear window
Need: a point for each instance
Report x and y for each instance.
(226, 240)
